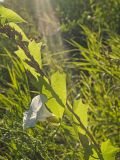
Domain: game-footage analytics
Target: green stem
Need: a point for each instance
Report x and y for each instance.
(96, 146)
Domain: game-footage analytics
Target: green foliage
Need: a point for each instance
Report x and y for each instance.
(57, 94)
(94, 14)
(108, 150)
(103, 17)
(35, 51)
(58, 82)
(9, 15)
(18, 29)
(99, 83)
(82, 111)
(97, 119)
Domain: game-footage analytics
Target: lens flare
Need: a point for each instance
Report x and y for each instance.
(48, 25)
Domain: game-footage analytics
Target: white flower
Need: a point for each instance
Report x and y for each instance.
(37, 112)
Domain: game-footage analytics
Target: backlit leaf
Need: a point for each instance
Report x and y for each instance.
(10, 15)
(18, 29)
(108, 150)
(35, 51)
(81, 110)
(58, 82)
(56, 94)
(21, 54)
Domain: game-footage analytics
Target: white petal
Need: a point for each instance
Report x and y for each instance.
(36, 103)
(29, 119)
(37, 112)
(43, 113)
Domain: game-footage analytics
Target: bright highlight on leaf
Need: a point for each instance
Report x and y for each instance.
(37, 112)
(81, 110)
(58, 82)
(34, 50)
(9, 15)
(19, 30)
(21, 54)
(108, 150)
(56, 94)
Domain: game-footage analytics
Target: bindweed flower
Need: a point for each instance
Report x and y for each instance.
(37, 112)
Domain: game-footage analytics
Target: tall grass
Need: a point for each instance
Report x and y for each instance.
(98, 82)
(93, 75)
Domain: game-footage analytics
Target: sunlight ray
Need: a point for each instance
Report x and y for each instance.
(48, 25)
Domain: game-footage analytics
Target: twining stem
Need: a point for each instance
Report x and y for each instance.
(96, 146)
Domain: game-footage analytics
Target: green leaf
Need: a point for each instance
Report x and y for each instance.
(21, 54)
(58, 82)
(81, 110)
(108, 150)
(10, 15)
(56, 93)
(18, 29)
(55, 107)
(35, 51)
